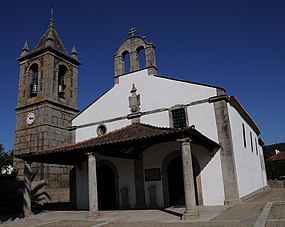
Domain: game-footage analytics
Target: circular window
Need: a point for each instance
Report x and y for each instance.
(101, 130)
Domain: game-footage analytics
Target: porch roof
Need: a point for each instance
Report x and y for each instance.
(126, 142)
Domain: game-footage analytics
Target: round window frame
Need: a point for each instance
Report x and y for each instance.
(99, 133)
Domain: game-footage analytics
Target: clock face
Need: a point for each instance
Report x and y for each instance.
(30, 118)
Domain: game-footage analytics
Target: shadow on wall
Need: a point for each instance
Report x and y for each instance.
(10, 197)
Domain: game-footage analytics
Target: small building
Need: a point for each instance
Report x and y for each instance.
(276, 165)
(153, 141)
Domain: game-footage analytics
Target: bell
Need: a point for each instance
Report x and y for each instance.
(60, 88)
(61, 92)
(34, 89)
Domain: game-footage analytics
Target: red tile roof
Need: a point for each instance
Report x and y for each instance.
(279, 156)
(118, 141)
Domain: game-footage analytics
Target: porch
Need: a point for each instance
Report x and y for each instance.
(128, 143)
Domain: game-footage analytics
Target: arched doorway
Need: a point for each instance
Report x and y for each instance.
(107, 186)
(173, 183)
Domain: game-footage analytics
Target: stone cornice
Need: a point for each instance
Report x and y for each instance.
(48, 102)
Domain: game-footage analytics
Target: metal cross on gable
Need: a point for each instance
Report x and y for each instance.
(132, 31)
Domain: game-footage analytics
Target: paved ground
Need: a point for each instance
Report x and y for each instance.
(265, 209)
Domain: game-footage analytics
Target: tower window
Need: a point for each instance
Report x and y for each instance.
(178, 117)
(34, 70)
(127, 62)
(61, 84)
(141, 57)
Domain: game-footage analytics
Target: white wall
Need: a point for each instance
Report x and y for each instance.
(212, 178)
(203, 117)
(155, 93)
(248, 166)
(211, 173)
(153, 158)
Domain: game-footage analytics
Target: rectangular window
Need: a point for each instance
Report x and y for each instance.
(250, 134)
(243, 133)
(178, 118)
(256, 149)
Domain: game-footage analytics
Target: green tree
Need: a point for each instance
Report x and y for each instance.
(6, 158)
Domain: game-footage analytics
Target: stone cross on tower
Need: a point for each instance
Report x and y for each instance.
(132, 31)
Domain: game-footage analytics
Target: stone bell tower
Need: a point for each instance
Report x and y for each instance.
(47, 101)
(132, 47)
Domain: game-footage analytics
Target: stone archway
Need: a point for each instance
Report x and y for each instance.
(170, 160)
(108, 185)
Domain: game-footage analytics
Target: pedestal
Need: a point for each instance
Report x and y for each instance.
(125, 198)
(152, 197)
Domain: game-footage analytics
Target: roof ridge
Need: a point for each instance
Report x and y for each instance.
(153, 126)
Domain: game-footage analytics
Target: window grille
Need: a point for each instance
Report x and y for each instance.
(179, 118)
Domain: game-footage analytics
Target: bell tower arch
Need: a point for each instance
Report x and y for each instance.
(47, 102)
(132, 46)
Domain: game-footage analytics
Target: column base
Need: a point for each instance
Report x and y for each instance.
(140, 206)
(190, 214)
(27, 213)
(93, 214)
(232, 201)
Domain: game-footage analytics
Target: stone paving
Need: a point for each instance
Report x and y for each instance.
(265, 209)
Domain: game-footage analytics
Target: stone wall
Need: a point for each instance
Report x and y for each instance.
(276, 183)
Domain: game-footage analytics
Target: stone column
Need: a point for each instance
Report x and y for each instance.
(150, 60)
(227, 150)
(92, 184)
(134, 61)
(119, 65)
(27, 202)
(139, 183)
(189, 188)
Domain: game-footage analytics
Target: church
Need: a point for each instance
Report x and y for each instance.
(150, 141)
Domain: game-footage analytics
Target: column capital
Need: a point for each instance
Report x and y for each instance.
(184, 141)
(27, 162)
(89, 154)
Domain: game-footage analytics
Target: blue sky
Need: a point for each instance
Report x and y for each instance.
(238, 45)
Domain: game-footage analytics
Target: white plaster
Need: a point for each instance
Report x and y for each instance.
(153, 157)
(157, 93)
(203, 117)
(211, 174)
(246, 160)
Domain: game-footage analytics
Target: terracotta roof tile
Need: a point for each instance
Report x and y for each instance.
(279, 156)
(136, 132)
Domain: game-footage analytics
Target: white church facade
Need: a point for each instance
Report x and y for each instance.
(171, 103)
(152, 142)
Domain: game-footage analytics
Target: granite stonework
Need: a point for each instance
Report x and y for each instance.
(227, 152)
(132, 46)
(53, 112)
